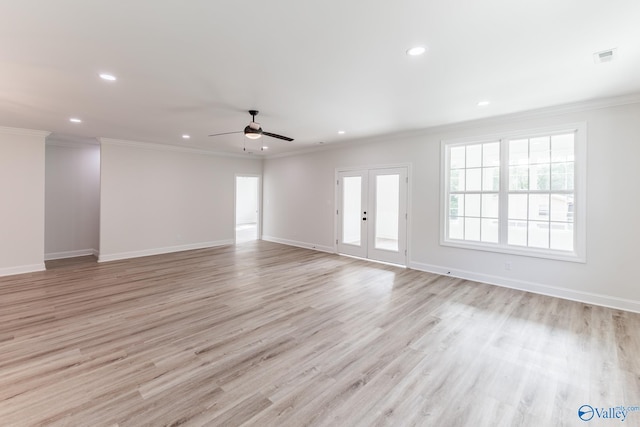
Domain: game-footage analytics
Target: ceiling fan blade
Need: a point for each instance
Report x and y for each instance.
(273, 135)
(225, 133)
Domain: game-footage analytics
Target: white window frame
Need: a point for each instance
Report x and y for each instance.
(580, 146)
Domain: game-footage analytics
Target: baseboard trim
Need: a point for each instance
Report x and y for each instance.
(10, 271)
(160, 251)
(304, 245)
(537, 288)
(70, 254)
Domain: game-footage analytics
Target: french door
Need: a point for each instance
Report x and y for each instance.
(372, 214)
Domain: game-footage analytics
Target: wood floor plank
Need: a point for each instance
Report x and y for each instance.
(262, 334)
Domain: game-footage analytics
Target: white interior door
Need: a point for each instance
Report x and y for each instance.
(372, 214)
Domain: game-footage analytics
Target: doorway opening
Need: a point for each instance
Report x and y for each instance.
(247, 208)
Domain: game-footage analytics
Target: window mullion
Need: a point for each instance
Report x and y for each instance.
(503, 198)
(481, 187)
(550, 193)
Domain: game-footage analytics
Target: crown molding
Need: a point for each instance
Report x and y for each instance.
(575, 107)
(72, 141)
(550, 111)
(23, 132)
(324, 147)
(172, 148)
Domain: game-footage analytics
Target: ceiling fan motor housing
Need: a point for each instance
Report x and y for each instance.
(253, 131)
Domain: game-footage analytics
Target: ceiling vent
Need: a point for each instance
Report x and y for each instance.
(604, 56)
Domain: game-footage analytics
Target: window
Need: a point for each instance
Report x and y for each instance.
(520, 193)
(474, 192)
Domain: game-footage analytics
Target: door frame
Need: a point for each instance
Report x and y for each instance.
(336, 201)
(235, 203)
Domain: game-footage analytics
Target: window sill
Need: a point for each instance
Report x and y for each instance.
(512, 250)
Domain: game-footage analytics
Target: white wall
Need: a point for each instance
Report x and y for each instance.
(299, 209)
(21, 200)
(72, 197)
(157, 199)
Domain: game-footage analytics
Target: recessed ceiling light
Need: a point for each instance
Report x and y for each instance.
(341, 132)
(109, 77)
(483, 103)
(265, 148)
(75, 120)
(416, 51)
(185, 136)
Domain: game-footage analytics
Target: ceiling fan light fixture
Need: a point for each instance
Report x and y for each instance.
(253, 130)
(253, 135)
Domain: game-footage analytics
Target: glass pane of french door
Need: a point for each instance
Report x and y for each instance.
(351, 210)
(352, 216)
(387, 211)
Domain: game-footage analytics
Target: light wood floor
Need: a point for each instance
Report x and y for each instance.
(268, 335)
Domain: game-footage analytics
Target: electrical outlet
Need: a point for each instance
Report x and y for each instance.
(507, 266)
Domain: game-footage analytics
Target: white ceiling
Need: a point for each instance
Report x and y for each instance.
(311, 68)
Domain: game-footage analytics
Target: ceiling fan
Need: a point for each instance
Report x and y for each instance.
(254, 131)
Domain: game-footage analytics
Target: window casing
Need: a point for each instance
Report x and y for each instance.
(520, 193)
